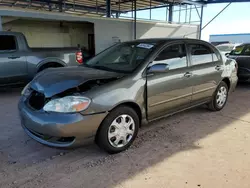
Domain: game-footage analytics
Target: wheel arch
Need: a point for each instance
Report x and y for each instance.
(132, 105)
(129, 104)
(227, 81)
(48, 61)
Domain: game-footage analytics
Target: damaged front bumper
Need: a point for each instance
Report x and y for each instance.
(59, 129)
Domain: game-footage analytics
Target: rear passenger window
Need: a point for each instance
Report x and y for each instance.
(215, 57)
(7, 43)
(174, 56)
(200, 54)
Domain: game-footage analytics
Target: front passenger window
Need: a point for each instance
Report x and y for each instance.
(173, 56)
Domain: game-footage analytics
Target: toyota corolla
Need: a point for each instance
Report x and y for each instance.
(127, 85)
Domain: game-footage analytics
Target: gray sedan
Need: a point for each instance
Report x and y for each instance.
(110, 96)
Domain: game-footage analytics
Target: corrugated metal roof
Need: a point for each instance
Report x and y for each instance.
(98, 7)
(85, 6)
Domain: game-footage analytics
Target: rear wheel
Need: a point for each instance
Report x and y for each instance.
(118, 130)
(219, 98)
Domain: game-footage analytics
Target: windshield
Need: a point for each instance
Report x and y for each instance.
(237, 50)
(123, 57)
(225, 48)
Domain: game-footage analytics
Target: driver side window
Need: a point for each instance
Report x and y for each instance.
(173, 56)
(246, 51)
(238, 50)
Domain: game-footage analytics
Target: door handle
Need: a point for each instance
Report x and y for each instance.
(218, 67)
(13, 57)
(188, 74)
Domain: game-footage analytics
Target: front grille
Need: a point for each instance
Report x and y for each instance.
(37, 100)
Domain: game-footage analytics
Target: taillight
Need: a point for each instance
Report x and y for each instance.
(236, 66)
(79, 58)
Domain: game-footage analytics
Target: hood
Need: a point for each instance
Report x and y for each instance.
(56, 80)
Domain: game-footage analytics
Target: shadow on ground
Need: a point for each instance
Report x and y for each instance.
(25, 163)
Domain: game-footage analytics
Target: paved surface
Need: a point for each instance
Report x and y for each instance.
(196, 148)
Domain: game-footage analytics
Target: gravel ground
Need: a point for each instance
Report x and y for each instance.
(196, 148)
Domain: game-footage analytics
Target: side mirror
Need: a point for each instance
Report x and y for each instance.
(227, 54)
(160, 68)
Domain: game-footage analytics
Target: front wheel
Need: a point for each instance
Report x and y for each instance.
(219, 98)
(118, 130)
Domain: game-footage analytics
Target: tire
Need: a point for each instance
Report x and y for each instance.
(114, 129)
(214, 105)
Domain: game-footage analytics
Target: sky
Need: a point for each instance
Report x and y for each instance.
(235, 19)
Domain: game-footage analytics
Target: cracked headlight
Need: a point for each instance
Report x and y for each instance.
(67, 104)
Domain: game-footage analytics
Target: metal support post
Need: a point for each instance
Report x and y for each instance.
(166, 13)
(179, 13)
(135, 19)
(60, 5)
(108, 8)
(186, 14)
(150, 10)
(1, 24)
(190, 14)
(201, 21)
(170, 13)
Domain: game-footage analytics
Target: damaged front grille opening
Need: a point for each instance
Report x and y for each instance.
(37, 100)
(52, 139)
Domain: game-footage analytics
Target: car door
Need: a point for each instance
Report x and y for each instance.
(207, 68)
(169, 91)
(243, 61)
(12, 63)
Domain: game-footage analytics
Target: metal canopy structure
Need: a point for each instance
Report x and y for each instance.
(91, 7)
(106, 8)
(103, 7)
(114, 8)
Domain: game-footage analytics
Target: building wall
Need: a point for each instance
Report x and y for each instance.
(44, 33)
(105, 30)
(51, 33)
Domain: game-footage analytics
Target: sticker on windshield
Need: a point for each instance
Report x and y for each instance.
(147, 46)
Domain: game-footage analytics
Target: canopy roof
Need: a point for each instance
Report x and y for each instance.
(99, 7)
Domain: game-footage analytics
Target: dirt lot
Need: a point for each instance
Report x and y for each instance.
(196, 148)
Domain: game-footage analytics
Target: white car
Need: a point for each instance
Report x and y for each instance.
(226, 48)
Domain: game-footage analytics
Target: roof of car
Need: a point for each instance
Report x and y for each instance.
(244, 44)
(165, 39)
(9, 33)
